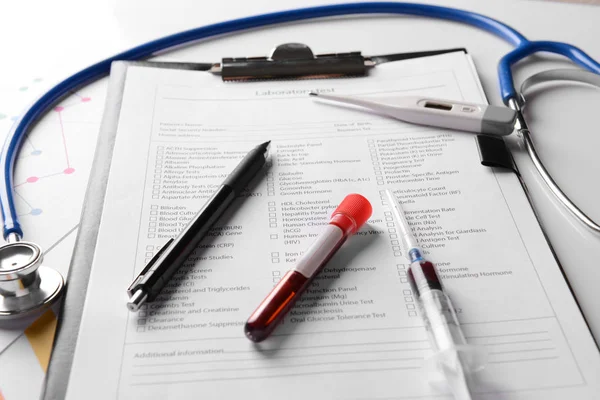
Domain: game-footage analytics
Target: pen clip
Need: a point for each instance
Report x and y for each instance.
(134, 285)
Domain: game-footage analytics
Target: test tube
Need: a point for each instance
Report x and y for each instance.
(347, 218)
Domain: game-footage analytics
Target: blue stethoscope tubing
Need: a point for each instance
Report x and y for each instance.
(523, 49)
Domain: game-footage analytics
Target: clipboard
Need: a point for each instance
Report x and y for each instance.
(289, 61)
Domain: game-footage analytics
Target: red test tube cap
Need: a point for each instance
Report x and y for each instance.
(356, 208)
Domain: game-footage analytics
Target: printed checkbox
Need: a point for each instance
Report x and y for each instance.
(271, 208)
(276, 279)
(402, 273)
(155, 196)
(376, 164)
(154, 207)
(144, 307)
(394, 242)
(403, 280)
(151, 236)
(141, 329)
(272, 220)
(272, 215)
(141, 321)
(397, 254)
(382, 193)
(410, 306)
(153, 213)
(276, 273)
(157, 176)
(155, 186)
(408, 299)
(149, 247)
(393, 236)
(157, 170)
(400, 266)
(275, 254)
(380, 183)
(392, 230)
(156, 192)
(148, 254)
(142, 314)
(396, 248)
(271, 203)
(379, 178)
(152, 224)
(156, 181)
(407, 291)
(272, 225)
(387, 213)
(389, 224)
(270, 193)
(274, 236)
(412, 313)
(152, 218)
(389, 219)
(377, 172)
(275, 260)
(151, 229)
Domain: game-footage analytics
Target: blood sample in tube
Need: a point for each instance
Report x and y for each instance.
(347, 218)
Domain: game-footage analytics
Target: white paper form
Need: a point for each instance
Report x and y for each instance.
(356, 333)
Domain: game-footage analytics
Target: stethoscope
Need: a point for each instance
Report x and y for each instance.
(27, 287)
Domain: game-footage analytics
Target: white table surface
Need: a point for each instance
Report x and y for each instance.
(63, 36)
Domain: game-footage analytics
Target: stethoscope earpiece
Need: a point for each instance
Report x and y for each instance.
(26, 287)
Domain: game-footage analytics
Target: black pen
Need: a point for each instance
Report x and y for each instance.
(148, 284)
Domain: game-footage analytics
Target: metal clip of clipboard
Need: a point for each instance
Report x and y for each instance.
(297, 61)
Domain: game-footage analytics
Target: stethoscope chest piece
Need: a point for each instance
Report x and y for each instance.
(26, 287)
